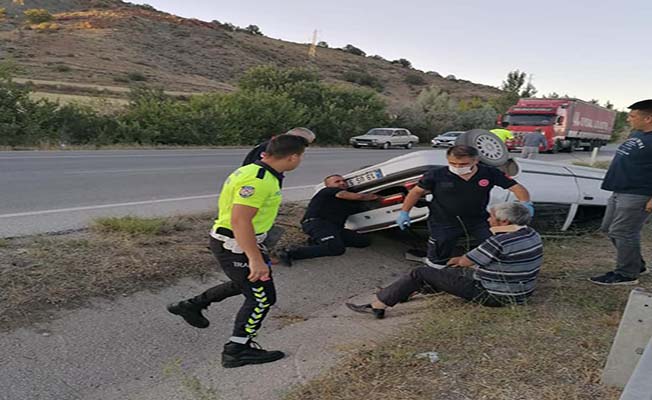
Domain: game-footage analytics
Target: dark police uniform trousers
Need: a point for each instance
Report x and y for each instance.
(259, 295)
(327, 239)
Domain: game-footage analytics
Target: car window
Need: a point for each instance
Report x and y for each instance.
(380, 132)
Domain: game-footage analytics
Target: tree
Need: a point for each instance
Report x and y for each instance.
(254, 30)
(433, 112)
(514, 87)
(3, 13)
(608, 105)
(322, 44)
(516, 84)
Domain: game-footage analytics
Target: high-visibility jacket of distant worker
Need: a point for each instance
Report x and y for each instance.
(503, 134)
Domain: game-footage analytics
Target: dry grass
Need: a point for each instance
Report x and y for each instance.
(598, 164)
(139, 226)
(117, 256)
(552, 349)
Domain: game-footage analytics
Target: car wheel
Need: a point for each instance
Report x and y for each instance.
(356, 146)
(492, 150)
(409, 145)
(385, 146)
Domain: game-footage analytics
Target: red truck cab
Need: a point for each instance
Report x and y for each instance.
(566, 123)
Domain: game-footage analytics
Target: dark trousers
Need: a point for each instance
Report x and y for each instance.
(623, 221)
(329, 240)
(456, 281)
(259, 295)
(444, 236)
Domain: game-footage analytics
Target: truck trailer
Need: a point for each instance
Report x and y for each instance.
(567, 124)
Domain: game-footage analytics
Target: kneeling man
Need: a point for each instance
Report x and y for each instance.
(324, 222)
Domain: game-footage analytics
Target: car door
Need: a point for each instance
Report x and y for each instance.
(396, 138)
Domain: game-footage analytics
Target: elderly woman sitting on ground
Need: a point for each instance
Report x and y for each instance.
(501, 271)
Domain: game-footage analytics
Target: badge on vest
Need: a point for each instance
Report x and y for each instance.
(247, 191)
(483, 182)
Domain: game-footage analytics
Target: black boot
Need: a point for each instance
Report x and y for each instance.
(285, 256)
(190, 312)
(237, 354)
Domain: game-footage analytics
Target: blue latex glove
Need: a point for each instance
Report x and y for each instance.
(529, 206)
(403, 220)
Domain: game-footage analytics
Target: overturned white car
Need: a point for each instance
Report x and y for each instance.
(558, 190)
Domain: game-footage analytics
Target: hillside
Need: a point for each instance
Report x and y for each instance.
(113, 43)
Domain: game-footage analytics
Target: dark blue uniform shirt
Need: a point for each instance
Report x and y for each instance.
(630, 171)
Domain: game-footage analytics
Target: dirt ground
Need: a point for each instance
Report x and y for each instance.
(554, 348)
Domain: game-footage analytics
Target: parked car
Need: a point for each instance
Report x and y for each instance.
(384, 138)
(554, 188)
(445, 139)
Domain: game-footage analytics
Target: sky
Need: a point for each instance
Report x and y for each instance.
(599, 49)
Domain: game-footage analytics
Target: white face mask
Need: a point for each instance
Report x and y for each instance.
(461, 170)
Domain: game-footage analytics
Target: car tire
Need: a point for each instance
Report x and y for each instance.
(493, 151)
(385, 146)
(355, 146)
(409, 145)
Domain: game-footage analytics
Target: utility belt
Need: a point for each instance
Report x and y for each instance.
(227, 238)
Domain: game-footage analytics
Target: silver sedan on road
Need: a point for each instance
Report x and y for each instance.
(384, 138)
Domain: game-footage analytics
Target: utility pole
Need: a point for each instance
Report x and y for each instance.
(312, 51)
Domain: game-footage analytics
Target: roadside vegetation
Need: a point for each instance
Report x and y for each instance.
(268, 101)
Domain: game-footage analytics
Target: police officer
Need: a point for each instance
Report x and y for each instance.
(460, 198)
(248, 205)
(257, 152)
(503, 133)
(324, 222)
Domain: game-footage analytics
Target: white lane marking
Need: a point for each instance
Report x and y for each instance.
(240, 152)
(144, 170)
(132, 203)
(121, 156)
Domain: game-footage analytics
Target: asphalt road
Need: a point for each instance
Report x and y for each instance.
(61, 190)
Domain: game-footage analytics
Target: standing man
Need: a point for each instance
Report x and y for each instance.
(248, 205)
(531, 143)
(460, 198)
(257, 152)
(503, 133)
(324, 222)
(630, 179)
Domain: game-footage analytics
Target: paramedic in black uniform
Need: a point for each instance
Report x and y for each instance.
(460, 197)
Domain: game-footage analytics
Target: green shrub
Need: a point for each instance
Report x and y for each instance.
(363, 79)
(253, 30)
(403, 62)
(414, 79)
(136, 76)
(38, 15)
(349, 48)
